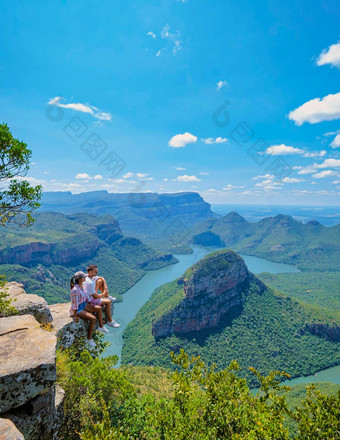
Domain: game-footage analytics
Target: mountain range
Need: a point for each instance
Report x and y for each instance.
(308, 246)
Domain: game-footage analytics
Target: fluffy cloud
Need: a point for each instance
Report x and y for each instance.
(187, 178)
(128, 175)
(181, 140)
(221, 84)
(317, 110)
(325, 173)
(328, 163)
(285, 150)
(82, 176)
(291, 180)
(151, 34)
(98, 177)
(79, 107)
(336, 141)
(218, 140)
(230, 187)
(330, 56)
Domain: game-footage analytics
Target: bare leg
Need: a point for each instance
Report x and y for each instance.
(107, 308)
(88, 317)
(101, 285)
(98, 310)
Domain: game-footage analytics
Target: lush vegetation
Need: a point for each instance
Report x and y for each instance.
(121, 260)
(265, 333)
(320, 289)
(18, 200)
(310, 246)
(195, 402)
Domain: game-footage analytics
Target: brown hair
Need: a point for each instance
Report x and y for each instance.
(90, 267)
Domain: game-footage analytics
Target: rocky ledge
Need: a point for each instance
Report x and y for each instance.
(211, 288)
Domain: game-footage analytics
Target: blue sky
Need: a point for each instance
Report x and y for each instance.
(239, 101)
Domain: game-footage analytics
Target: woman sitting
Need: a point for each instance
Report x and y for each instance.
(81, 307)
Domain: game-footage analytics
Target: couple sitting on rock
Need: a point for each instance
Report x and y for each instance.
(86, 302)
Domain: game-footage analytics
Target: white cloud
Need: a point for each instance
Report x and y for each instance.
(177, 46)
(336, 182)
(179, 168)
(330, 56)
(82, 176)
(128, 175)
(218, 140)
(187, 178)
(165, 179)
(204, 173)
(181, 140)
(325, 173)
(285, 150)
(329, 163)
(336, 141)
(230, 187)
(79, 107)
(264, 176)
(291, 180)
(159, 53)
(173, 37)
(142, 175)
(151, 34)
(221, 84)
(315, 153)
(98, 177)
(317, 110)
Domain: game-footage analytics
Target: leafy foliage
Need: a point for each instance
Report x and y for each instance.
(6, 309)
(200, 402)
(17, 198)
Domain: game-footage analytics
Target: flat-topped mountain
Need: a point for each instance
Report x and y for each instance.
(280, 238)
(148, 216)
(45, 256)
(209, 290)
(221, 311)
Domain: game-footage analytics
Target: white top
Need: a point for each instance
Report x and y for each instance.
(90, 285)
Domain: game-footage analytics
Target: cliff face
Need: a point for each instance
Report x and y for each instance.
(211, 288)
(48, 253)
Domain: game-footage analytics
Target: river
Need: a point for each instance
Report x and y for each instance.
(135, 297)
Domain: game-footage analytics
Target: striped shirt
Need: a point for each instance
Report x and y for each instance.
(78, 296)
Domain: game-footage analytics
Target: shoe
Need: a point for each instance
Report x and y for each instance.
(113, 324)
(112, 299)
(90, 343)
(103, 329)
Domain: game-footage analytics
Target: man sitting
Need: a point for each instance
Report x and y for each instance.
(93, 284)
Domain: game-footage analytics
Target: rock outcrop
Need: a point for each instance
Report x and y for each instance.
(211, 288)
(27, 303)
(8, 431)
(27, 361)
(331, 332)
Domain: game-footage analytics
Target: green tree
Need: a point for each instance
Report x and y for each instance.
(17, 198)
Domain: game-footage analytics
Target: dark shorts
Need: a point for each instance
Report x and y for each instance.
(81, 307)
(96, 302)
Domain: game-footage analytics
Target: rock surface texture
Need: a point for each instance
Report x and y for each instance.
(8, 431)
(211, 288)
(28, 304)
(27, 366)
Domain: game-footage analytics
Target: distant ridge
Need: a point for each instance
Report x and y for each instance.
(280, 238)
